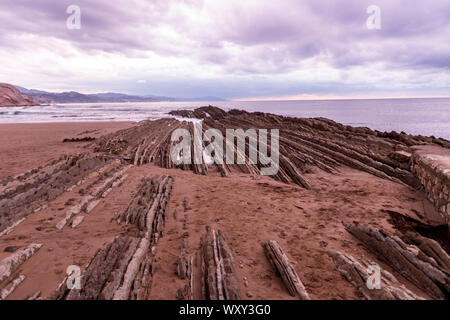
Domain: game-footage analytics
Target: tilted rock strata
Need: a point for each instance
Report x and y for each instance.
(5, 292)
(122, 270)
(284, 268)
(147, 209)
(14, 261)
(220, 281)
(407, 259)
(105, 273)
(25, 194)
(304, 143)
(356, 273)
(210, 272)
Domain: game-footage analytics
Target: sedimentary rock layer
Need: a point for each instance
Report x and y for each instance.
(323, 143)
(5, 292)
(409, 260)
(210, 272)
(27, 193)
(107, 178)
(10, 264)
(356, 272)
(220, 281)
(147, 209)
(304, 144)
(284, 268)
(122, 270)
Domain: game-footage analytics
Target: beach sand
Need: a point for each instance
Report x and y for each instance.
(249, 209)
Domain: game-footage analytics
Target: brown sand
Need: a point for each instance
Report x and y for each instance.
(28, 145)
(250, 209)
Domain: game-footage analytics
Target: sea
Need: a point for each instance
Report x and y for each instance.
(428, 117)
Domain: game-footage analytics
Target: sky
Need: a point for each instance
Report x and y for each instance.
(233, 49)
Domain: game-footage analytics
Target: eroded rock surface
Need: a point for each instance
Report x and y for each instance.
(11, 96)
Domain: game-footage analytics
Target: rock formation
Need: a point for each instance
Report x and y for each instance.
(218, 272)
(30, 192)
(284, 268)
(11, 96)
(305, 144)
(356, 273)
(123, 266)
(210, 272)
(122, 270)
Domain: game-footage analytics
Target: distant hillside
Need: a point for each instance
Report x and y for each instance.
(44, 97)
(11, 96)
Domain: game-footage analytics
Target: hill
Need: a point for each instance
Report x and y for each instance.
(11, 96)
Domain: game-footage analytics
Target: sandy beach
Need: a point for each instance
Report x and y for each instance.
(249, 208)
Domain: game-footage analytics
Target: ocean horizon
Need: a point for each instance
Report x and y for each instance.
(418, 116)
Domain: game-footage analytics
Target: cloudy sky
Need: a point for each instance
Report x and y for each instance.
(235, 49)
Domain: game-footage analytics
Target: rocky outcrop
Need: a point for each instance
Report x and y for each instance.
(147, 210)
(284, 268)
(110, 273)
(304, 144)
(210, 272)
(5, 292)
(356, 272)
(122, 270)
(88, 203)
(10, 264)
(31, 191)
(428, 272)
(11, 96)
(218, 272)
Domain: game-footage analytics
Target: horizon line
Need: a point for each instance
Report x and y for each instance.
(335, 98)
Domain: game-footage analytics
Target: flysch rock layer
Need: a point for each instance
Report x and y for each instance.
(11, 96)
(126, 224)
(14, 261)
(122, 270)
(304, 144)
(431, 164)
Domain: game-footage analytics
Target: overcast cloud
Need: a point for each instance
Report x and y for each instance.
(231, 49)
